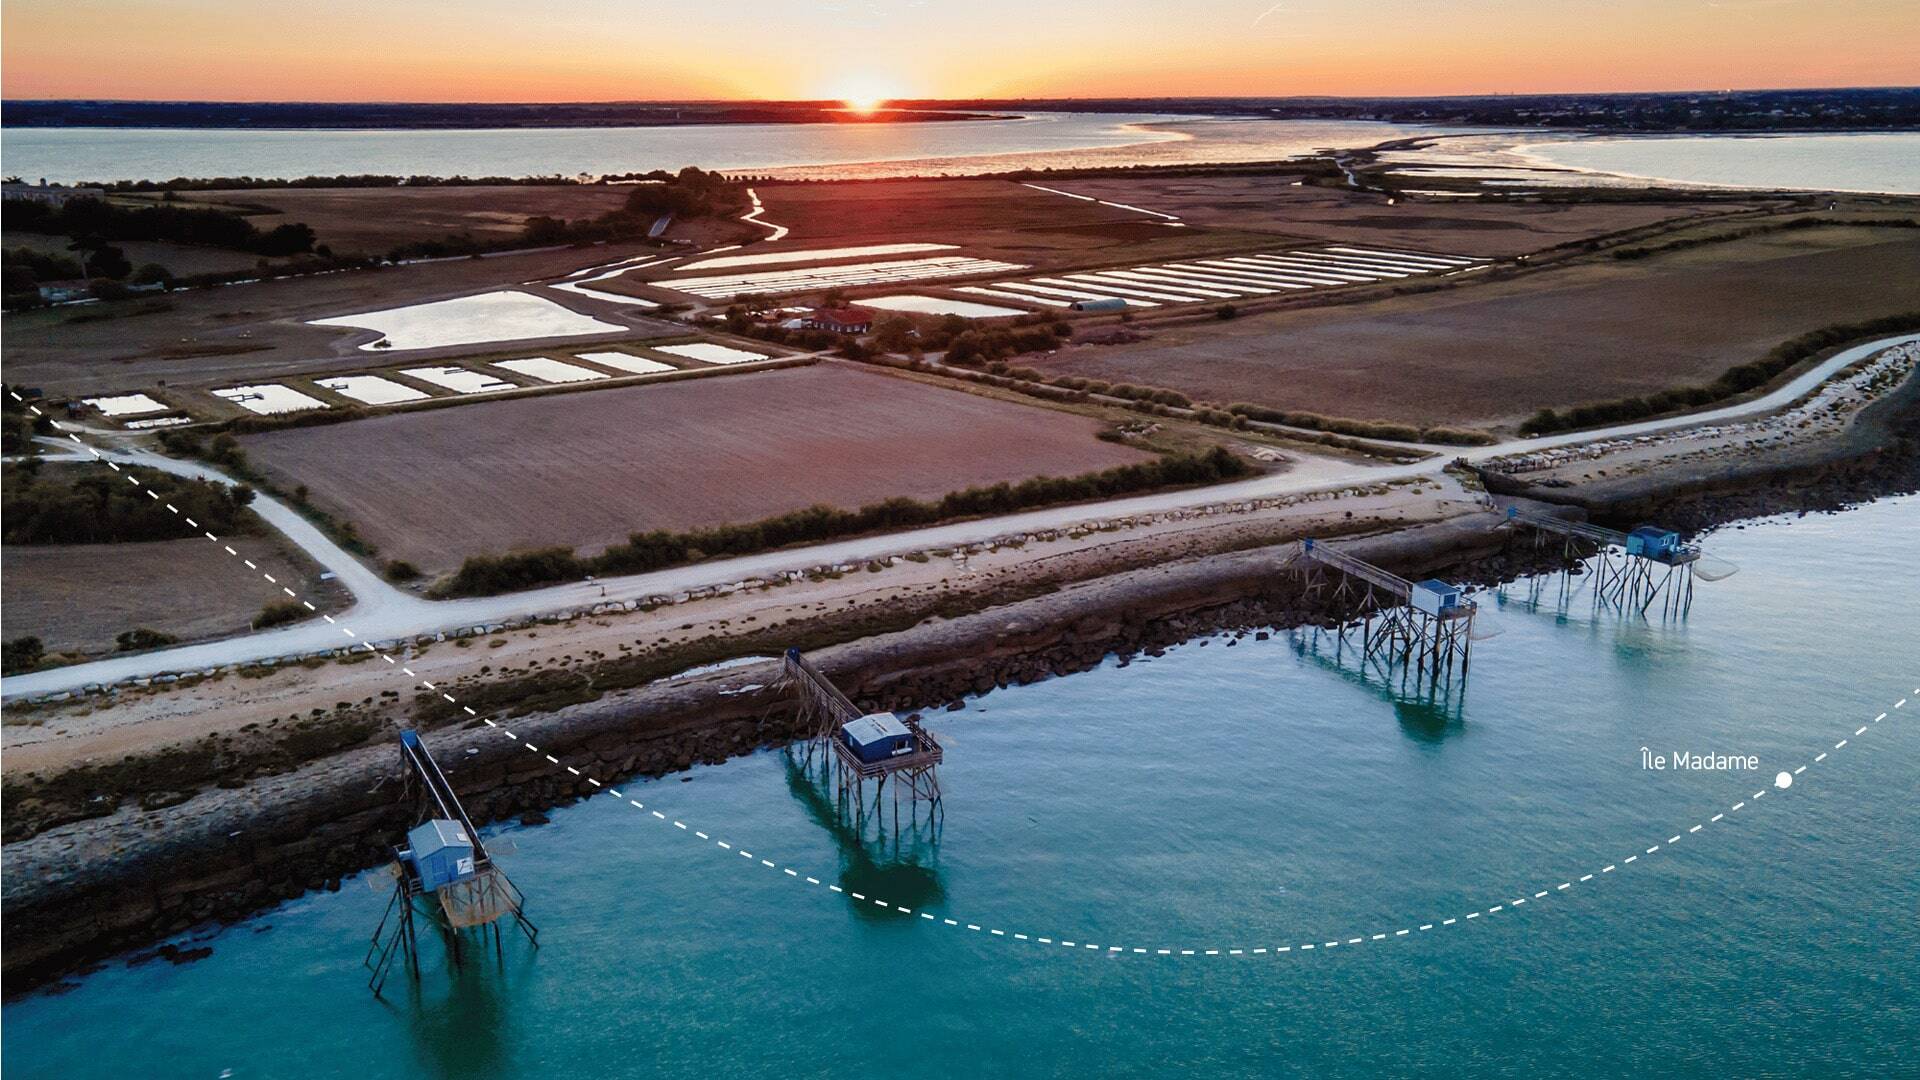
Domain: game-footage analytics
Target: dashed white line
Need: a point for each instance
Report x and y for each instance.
(1114, 949)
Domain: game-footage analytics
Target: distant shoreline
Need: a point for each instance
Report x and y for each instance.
(330, 116)
(1736, 112)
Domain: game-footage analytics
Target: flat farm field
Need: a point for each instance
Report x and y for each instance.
(1492, 354)
(587, 470)
(78, 597)
(373, 221)
(1273, 204)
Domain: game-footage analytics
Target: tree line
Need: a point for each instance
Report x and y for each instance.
(56, 507)
(202, 226)
(689, 193)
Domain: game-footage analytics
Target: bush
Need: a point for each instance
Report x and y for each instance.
(225, 450)
(21, 654)
(983, 346)
(204, 226)
(402, 570)
(142, 638)
(1363, 429)
(101, 508)
(482, 575)
(279, 613)
(1457, 436)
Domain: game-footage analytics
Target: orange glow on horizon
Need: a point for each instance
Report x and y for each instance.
(597, 50)
(863, 92)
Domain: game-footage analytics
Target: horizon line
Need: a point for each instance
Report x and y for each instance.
(4, 101)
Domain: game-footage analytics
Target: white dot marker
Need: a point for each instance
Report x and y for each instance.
(1784, 780)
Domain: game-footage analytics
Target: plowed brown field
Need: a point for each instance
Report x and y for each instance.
(586, 470)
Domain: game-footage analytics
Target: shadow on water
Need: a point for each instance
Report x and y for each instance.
(1565, 595)
(461, 1033)
(897, 863)
(1635, 638)
(1428, 710)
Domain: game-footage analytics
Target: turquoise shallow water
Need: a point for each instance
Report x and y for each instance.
(1222, 796)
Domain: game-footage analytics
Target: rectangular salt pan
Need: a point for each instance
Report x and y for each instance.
(459, 379)
(934, 305)
(504, 315)
(1269, 276)
(713, 354)
(1305, 267)
(619, 361)
(1225, 278)
(157, 422)
(1070, 294)
(269, 398)
(1131, 286)
(1128, 290)
(1414, 256)
(814, 255)
(722, 286)
(1002, 294)
(371, 389)
(1043, 290)
(550, 371)
(1370, 262)
(125, 405)
(1219, 283)
(584, 286)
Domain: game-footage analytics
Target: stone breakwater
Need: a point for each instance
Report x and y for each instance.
(87, 889)
(1876, 455)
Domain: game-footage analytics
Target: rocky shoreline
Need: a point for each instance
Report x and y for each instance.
(89, 889)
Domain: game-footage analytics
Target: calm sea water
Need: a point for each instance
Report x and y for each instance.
(72, 154)
(1873, 162)
(1221, 796)
(1858, 162)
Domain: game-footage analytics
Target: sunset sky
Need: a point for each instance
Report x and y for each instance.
(493, 50)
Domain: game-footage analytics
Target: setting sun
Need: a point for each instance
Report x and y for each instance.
(863, 93)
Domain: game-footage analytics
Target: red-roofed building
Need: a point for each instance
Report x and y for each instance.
(840, 320)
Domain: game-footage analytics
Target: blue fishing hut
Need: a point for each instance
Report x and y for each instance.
(1654, 542)
(875, 737)
(1435, 597)
(440, 852)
